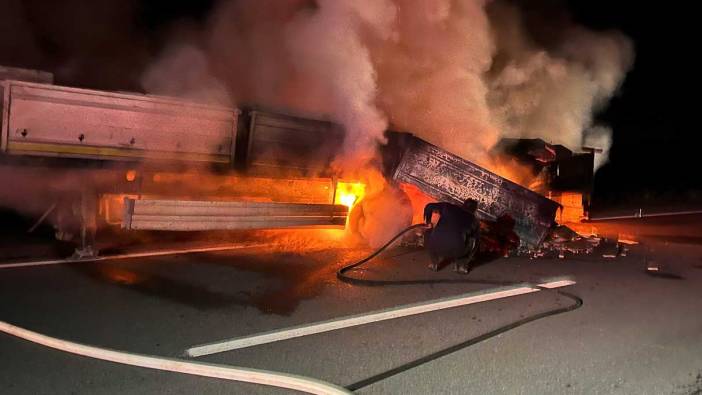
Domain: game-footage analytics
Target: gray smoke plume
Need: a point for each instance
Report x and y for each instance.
(459, 73)
(328, 43)
(553, 92)
(431, 79)
(599, 137)
(194, 82)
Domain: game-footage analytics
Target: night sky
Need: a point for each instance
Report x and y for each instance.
(105, 44)
(656, 150)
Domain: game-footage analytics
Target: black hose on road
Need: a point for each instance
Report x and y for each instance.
(341, 275)
(340, 272)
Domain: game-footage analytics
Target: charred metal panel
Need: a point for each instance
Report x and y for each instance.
(449, 178)
(566, 171)
(392, 152)
(282, 144)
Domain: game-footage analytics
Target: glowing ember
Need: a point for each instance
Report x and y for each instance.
(130, 175)
(349, 193)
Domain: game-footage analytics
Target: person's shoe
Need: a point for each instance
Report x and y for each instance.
(462, 269)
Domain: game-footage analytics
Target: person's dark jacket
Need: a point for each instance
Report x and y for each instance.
(456, 226)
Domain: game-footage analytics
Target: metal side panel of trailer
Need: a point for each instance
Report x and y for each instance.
(49, 120)
(447, 177)
(188, 215)
(283, 144)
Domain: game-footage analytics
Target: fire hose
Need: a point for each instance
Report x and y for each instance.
(283, 380)
(231, 373)
(341, 274)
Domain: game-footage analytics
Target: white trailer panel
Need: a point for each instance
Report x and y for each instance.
(49, 120)
(188, 215)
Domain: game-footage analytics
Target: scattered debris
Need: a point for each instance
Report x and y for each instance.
(627, 239)
(623, 250)
(498, 237)
(562, 240)
(610, 251)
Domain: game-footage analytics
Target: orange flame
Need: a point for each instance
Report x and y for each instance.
(349, 193)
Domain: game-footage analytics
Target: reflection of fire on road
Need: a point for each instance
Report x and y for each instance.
(120, 276)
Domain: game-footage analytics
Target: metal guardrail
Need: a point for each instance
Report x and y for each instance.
(188, 215)
(642, 214)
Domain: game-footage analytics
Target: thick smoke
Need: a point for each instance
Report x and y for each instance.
(459, 73)
(552, 92)
(431, 78)
(195, 81)
(599, 137)
(341, 62)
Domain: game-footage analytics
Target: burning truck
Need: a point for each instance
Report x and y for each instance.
(142, 162)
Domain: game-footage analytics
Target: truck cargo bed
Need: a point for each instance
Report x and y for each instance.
(449, 178)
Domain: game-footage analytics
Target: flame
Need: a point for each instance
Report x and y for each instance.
(349, 193)
(130, 175)
(518, 173)
(572, 210)
(201, 185)
(419, 200)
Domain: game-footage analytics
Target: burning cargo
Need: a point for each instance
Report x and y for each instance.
(562, 175)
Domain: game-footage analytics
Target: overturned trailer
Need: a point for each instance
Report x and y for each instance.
(124, 150)
(91, 158)
(450, 178)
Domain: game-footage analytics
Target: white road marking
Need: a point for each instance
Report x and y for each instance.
(256, 376)
(367, 318)
(145, 254)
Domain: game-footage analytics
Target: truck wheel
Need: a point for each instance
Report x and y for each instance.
(379, 217)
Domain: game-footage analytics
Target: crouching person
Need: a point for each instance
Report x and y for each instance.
(455, 236)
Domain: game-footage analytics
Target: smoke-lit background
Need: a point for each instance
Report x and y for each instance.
(550, 69)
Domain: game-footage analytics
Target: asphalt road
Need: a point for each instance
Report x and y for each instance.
(635, 333)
